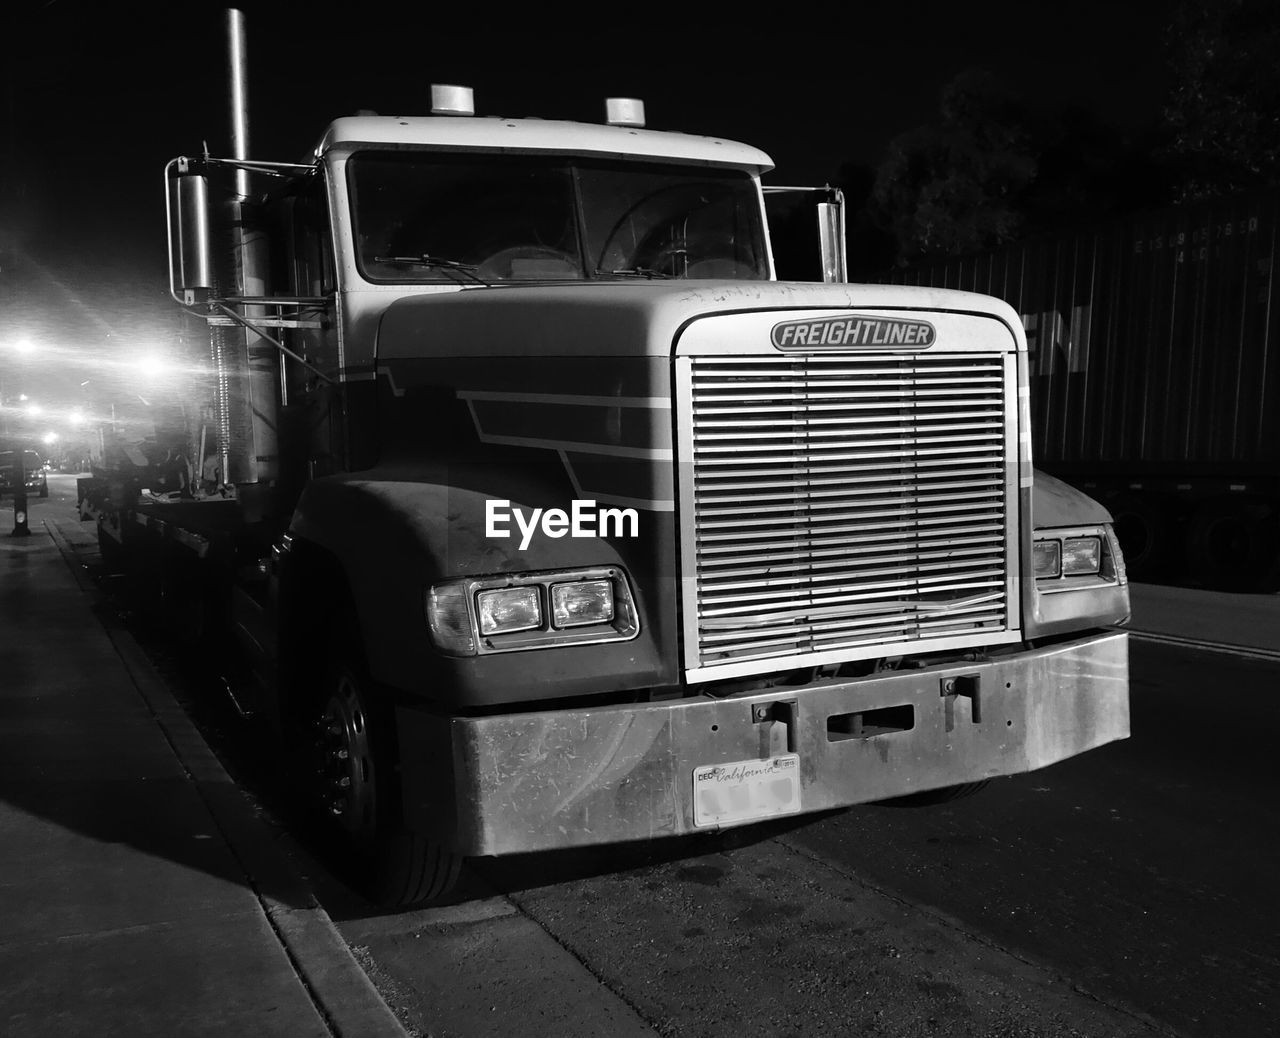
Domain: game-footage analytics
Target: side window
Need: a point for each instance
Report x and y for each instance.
(313, 248)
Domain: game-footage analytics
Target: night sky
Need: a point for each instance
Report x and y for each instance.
(99, 96)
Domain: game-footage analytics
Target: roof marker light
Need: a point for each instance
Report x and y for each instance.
(624, 111)
(452, 100)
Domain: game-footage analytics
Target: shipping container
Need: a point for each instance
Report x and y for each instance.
(1155, 377)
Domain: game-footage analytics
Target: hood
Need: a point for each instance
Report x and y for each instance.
(628, 319)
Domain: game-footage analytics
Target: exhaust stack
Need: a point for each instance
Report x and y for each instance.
(248, 398)
(238, 75)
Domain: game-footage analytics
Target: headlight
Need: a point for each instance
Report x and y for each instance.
(583, 602)
(509, 612)
(509, 609)
(1069, 558)
(1046, 557)
(1081, 555)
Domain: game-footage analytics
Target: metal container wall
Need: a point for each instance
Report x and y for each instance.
(1153, 341)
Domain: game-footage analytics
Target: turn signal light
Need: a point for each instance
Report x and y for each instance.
(450, 620)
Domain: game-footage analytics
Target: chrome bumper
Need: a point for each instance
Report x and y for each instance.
(529, 782)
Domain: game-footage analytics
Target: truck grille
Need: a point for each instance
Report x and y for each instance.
(841, 504)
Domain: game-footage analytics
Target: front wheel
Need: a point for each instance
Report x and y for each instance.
(356, 788)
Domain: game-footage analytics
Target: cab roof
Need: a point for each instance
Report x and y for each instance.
(532, 135)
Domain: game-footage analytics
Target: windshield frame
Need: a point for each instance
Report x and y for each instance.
(746, 231)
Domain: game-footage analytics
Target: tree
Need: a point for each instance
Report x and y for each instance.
(1088, 170)
(952, 186)
(1224, 109)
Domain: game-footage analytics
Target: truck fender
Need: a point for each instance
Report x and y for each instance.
(1058, 504)
(390, 539)
(1055, 503)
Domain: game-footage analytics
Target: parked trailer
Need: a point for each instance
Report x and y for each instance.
(557, 520)
(1155, 378)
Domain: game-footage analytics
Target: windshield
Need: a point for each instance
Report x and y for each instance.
(434, 217)
(30, 459)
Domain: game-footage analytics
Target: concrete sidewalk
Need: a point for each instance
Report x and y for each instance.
(140, 892)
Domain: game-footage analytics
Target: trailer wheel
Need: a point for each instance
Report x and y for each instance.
(356, 788)
(1231, 545)
(1146, 532)
(931, 797)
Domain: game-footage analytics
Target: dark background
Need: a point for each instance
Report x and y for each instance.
(950, 127)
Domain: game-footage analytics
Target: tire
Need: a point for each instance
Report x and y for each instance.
(1147, 535)
(44, 489)
(1231, 545)
(355, 787)
(933, 797)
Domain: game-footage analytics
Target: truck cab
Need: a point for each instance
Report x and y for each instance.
(572, 524)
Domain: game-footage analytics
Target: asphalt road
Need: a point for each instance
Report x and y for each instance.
(1145, 870)
(1129, 891)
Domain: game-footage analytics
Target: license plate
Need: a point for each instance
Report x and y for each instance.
(746, 790)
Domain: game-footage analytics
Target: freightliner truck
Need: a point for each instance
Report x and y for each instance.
(1155, 378)
(553, 519)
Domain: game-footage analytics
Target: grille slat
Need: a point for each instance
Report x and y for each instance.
(847, 504)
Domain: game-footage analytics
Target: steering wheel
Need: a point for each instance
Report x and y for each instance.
(718, 256)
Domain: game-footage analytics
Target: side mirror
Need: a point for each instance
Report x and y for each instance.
(829, 202)
(831, 237)
(190, 249)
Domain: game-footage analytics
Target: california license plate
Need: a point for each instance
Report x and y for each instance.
(746, 790)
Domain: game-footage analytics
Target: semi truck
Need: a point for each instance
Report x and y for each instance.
(551, 518)
(1154, 359)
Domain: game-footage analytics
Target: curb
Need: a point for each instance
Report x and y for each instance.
(341, 991)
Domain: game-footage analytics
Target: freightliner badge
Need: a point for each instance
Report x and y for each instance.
(853, 330)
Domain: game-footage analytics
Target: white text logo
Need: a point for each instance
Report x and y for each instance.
(582, 520)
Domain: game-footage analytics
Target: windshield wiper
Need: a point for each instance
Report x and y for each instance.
(634, 272)
(450, 267)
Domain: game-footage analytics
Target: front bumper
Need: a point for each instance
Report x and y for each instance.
(540, 781)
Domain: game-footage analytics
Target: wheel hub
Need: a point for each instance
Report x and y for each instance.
(345, 753)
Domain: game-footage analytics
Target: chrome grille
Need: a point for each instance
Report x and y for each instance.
(842, 504)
